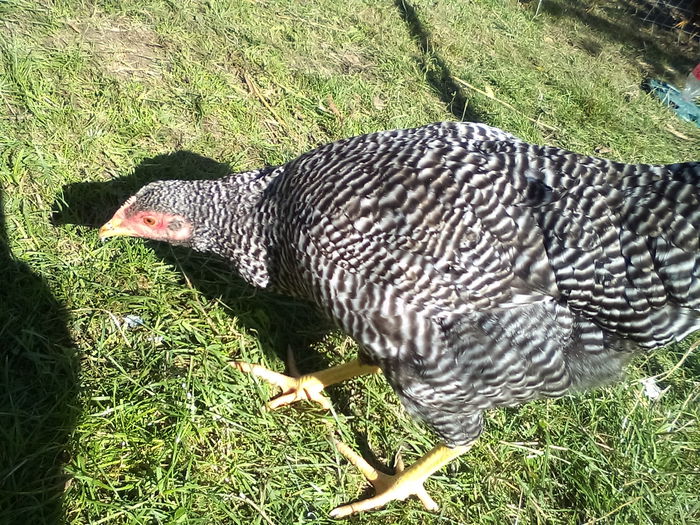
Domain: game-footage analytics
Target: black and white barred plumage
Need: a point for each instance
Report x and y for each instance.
(475, 269)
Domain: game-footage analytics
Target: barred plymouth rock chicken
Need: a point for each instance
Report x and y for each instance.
(475, 270)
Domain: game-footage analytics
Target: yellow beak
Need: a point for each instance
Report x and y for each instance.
(113, 228)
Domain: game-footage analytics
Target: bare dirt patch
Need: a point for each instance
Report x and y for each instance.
(331, 61)
(123, 48)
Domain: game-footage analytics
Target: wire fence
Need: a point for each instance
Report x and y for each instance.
(671, 14)
(681, 15)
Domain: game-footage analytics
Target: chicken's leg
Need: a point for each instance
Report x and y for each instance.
(404, 483)
(309, 386)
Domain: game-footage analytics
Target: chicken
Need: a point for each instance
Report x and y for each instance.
(474, 270)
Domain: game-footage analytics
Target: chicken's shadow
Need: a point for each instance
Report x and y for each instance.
(279, 322)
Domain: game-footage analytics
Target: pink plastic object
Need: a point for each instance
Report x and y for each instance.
(692, 85)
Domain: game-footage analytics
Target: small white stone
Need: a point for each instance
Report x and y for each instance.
(651, 389)
(132, 321)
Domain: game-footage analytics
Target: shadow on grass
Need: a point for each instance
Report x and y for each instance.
(661, 51)
(279, 322)
(38, 386)
(438, 73)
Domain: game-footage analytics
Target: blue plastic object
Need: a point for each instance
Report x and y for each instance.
(670, 95)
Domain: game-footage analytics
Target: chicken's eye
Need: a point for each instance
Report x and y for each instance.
(149, 221)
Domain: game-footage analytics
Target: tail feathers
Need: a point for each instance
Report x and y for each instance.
(625, 249)
(679, 270)
(666, 214)
(673, 323)
(595, 357)
(687, 172)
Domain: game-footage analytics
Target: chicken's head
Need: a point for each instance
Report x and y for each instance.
(160, 211)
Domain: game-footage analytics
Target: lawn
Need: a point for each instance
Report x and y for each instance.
(117, 400)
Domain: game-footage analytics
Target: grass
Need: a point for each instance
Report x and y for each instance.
(102, 423)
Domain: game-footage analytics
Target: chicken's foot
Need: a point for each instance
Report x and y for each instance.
(402, 484)
(309, 387)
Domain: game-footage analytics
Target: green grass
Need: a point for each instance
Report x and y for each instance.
(103, 424)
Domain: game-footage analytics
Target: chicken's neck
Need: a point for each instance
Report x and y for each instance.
(239, 225)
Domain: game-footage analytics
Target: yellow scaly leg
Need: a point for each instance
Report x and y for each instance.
(307, 387)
